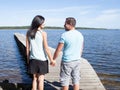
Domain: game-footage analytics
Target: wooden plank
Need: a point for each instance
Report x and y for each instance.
(89, 78)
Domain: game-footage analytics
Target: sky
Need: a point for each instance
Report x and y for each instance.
(88, 13)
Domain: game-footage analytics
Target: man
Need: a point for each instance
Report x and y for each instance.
(71, 42)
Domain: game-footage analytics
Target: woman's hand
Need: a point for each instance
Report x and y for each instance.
(53, 63)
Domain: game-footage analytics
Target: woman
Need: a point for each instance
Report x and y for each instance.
(37, 51)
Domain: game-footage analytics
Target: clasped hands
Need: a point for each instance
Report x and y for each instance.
(53, 62)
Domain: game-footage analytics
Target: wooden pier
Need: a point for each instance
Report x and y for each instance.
(89, 78)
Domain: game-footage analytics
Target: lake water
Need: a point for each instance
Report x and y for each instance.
(101, 49)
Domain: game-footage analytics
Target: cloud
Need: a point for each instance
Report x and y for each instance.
(57, 16)
(111, 11)
(102, 19)
(87, 16)
(60, 10)
(109, 18)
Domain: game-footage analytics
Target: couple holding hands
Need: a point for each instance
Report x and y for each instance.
(37, 50)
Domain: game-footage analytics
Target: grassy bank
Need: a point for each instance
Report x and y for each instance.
(47, 27)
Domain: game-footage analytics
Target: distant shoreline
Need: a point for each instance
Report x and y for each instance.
(49, 27)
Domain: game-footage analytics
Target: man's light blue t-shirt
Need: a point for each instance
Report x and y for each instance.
(73, 44)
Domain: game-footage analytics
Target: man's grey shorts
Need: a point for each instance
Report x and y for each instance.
(70, 70)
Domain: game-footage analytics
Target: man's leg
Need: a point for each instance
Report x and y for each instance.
(76, 75)
(65, 87)
(76, 87)
(65, 75)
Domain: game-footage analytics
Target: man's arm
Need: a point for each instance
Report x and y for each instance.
(81, 51)
(59, 48)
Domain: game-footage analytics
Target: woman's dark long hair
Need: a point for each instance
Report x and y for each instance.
(36, 22)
